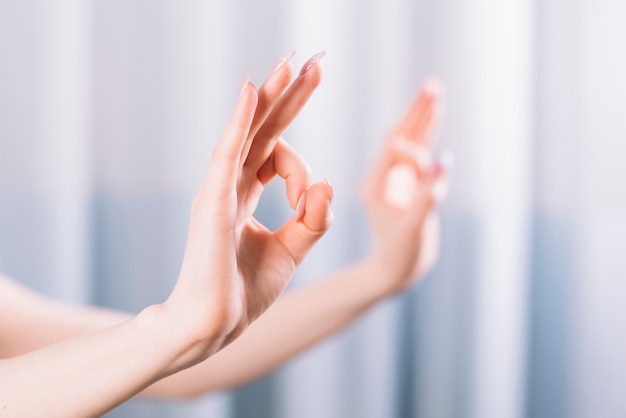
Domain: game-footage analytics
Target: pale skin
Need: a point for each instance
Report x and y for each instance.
(220, 327)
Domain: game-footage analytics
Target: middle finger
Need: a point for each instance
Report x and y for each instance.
(284, 112)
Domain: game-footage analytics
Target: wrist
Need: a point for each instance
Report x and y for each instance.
(373, 280)
(182, 337)
(385, 277)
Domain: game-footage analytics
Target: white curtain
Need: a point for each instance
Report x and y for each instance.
(109, 111)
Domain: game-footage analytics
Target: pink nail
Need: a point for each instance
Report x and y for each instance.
(446, 161)
(244, 84)
(279, 63)
(315, 58)
(330, 190)
(300, 207)
(438, 169)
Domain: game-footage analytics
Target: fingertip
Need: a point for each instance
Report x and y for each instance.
(435, 91)
(447, 160)
(244, 84)
(312, 62)
(282, 61)
(249, 91)
(288, 164)
(229, 147)
(434, 87)
(314, 207)
(312, 219)
(297, 186)
(330, 190)
(300, 206)
(280, 77)
(298, 181)
(444, 164)
(442, 172)
(247, 102)
(313, 75)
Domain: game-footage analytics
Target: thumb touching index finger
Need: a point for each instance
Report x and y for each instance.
(312, 219)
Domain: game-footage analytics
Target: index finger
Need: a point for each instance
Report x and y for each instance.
(419, 122)
(225, 161)
(284, 112)
(269, 93)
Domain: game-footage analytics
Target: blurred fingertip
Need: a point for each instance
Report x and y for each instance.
(331, 191)
(443, 173)
(445, 162)
(433, 86)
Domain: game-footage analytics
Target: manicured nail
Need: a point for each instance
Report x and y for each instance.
(244, 84)
(331, 191)
(315, 58)
(279, 63)
(300, 207)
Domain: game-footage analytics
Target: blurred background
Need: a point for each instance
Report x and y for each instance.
(109, 111)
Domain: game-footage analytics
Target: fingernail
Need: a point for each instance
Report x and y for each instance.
(244, 84)
(331, 191)
(315, 58)
(445, 163)
(279, 63)
(300, 207)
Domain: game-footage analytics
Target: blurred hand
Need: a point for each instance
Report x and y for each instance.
(234, 268)
(400, 194)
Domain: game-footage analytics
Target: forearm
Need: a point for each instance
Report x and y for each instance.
(90, 374)
(297, 321)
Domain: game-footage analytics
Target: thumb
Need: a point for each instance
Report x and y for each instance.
(312, 219)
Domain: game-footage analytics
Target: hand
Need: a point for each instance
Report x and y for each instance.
(234, 268)
(400, 194)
